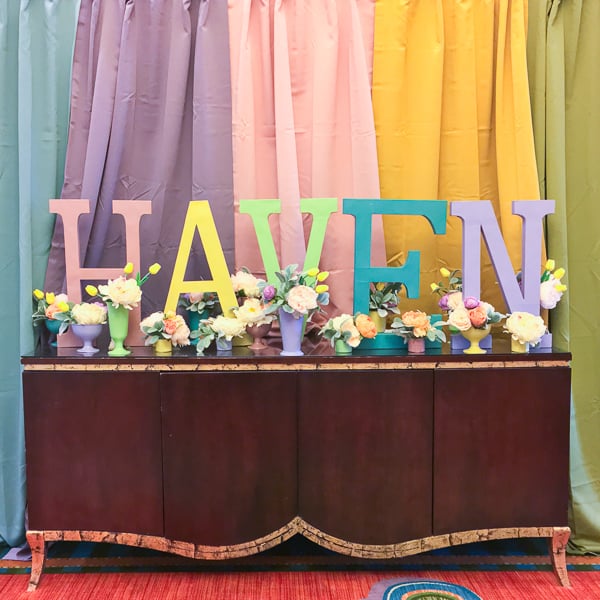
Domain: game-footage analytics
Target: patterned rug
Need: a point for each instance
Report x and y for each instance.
(419, 589)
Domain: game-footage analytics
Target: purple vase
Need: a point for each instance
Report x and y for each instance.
(292, 332)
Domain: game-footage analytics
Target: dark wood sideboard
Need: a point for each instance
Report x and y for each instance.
(376, 455)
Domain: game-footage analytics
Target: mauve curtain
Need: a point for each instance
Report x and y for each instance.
(150, 120)
(303, 125)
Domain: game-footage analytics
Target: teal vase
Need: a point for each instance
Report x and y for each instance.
(53, 326)
(118, 325)
(194, 318)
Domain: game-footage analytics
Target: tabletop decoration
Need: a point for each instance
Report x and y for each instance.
(346, 331)
(54, 311)
(258, 323)
(383, 301)
(551, 291)
(198, 306)
(472, 318)
(295, 296)
(163, 330)
(87, 319)
(525, 330)
(122, 295)
(415, 327)
(221, 329)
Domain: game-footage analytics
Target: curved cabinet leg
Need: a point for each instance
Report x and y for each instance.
(558, 548)
(36, 542)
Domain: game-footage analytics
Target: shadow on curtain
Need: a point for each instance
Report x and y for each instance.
(453, 121)
(151, 120)
(36, 47)
(565, 87)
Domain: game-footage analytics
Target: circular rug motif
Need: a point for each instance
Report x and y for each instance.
(419, 589)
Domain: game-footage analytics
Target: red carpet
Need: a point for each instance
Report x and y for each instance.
(505, 585)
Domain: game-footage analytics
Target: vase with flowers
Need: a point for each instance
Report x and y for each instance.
(295, 296)
(87, 319)
(164, 330)
(551, 291)
(246, 287)
(198, 306)
(525, 330)
(122, 295)
(219, 329)
(415, 327)
(54, 310)
(345, 331)
(258, 323)
(383, 301)
(472, 318)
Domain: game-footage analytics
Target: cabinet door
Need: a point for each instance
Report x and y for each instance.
(229, 455)
(365, 454)
(93, 452)
(501, 448)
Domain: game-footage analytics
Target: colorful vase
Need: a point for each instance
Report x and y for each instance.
(118, 326)
(474, 335)
(87, 334)
(292, 332)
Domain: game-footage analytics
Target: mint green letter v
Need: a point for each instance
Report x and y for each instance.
(259, 211)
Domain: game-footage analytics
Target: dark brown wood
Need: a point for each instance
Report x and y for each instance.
(230, 455)
(93, 451)
(365, 454)
(501, 448)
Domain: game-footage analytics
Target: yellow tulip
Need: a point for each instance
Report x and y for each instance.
(434, 287)
(321, 289)
(550, 264)
(445, 272)
(560, 288)
(154, 269)
(559, 273)
(91, 290)
(313, 272)
(63, 306)
(379, 286)
(50, 297)
(323, 275)
(128, 268)
(38, 294)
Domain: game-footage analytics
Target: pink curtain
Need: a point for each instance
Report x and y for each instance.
(303, 125)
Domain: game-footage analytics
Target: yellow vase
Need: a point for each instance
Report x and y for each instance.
(378, 320)
(163, 347)
(518, 347)
(474, 335)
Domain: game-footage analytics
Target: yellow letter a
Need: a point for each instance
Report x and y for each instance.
(199, 216)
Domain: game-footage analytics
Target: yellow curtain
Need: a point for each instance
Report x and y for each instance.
(453, 122)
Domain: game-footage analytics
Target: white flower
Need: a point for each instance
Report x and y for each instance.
(550, 292)
(89, 313)
(459, 319)
(121, 292)
(245, 282)
(227, 327)
(252, 312)
(151, 320)
(525, 327)
(302, 299)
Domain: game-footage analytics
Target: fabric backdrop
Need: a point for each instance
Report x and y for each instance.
(36, 45)
(453, 122)
(150, 120)
(565, 86)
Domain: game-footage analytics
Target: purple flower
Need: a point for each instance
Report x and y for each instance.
(470, 302)
(268, 293)
(443, 302)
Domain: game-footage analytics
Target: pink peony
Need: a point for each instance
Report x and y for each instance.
(302, 299)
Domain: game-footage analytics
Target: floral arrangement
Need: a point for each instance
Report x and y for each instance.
(53, 307)
(88, 313)
(464, 313)
(451, 282)
(246, 285)
(219, 327)
(348, 328)
(253, 312)
(199, 302)
(166, 326)
(124, 291)
(298, 293)
(551, 287)
(525, 327)
(417, 324)
(383, 298)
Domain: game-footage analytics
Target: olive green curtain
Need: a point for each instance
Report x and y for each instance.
(36, 46)
(564, 73)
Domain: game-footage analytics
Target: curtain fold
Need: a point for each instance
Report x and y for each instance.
(151, 120)
(36, 46)
(565, 85)
(303, 125)
(453, 122)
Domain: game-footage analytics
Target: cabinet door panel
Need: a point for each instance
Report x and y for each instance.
(365, 454)
(229, 455)
(93, 451)
(501, 448)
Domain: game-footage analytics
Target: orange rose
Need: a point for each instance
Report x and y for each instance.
(416, 319)
(478, 316)
(365, 326)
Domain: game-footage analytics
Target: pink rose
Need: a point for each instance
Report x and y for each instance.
(302, 299)
(459, 319)
(478, 316)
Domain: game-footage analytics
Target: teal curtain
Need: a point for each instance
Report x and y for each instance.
(36, 48)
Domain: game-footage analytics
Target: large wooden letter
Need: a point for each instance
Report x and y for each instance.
(199, 216)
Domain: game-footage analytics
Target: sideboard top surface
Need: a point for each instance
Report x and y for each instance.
(318, 356)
